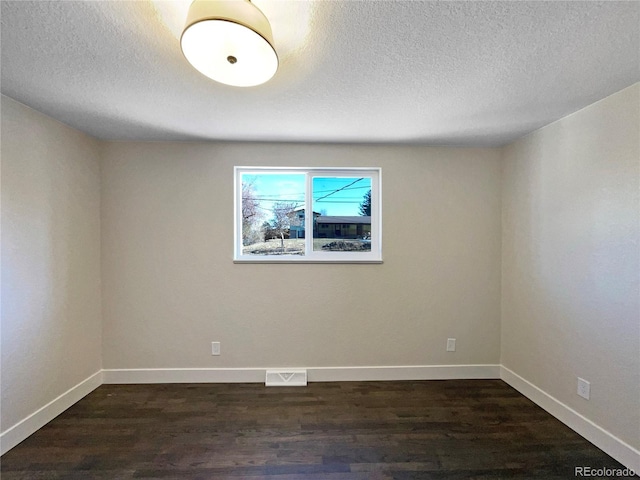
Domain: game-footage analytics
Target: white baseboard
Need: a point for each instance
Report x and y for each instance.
(409, 372)
(315, 374)
(184, 375)
(601, 438)
(21, 430)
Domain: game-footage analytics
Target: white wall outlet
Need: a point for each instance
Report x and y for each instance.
(584, 388)
(451, 344)
(215, 348)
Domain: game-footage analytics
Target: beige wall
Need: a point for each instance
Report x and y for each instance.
(170, 287)
(570, 263)
(51, 310)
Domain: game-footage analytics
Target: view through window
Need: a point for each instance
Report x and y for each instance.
(307, 214)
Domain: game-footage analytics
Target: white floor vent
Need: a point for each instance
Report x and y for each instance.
(286, 378)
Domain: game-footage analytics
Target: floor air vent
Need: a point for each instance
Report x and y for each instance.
(286, 378)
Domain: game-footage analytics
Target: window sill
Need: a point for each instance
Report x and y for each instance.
(316, 261)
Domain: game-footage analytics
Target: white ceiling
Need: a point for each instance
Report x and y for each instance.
(440, 73)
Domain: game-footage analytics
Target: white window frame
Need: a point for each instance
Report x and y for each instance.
(310, 256)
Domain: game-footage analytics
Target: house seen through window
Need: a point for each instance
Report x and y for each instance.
(297, 215)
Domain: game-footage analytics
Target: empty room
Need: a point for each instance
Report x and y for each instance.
(320, 239)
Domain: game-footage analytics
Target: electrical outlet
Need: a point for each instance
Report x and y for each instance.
(451, 344)
(215, 348)
(584, 388)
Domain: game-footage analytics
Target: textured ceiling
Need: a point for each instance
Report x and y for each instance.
(440, 73)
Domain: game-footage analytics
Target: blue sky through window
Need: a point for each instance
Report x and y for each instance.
(339, 195)
(331, 195)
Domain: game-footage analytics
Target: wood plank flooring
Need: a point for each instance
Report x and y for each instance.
(454, 429)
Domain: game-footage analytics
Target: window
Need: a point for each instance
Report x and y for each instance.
(307, 215)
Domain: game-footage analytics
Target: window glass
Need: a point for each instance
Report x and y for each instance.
(273, 213)
(342, 213)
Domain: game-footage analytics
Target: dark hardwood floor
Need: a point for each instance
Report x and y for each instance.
(454, 429)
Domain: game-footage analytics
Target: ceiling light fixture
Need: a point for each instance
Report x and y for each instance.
(229, 41)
